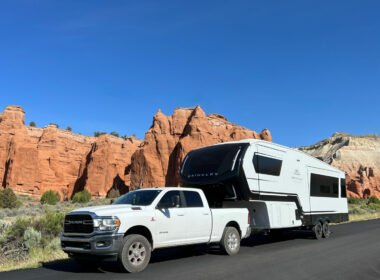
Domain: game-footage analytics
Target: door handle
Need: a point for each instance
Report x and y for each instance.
(206, 214)
(180, 214)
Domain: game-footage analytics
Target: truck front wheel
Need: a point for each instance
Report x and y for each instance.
(134, 255)
(230, 242)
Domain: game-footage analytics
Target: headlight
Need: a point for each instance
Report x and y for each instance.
(107, 224)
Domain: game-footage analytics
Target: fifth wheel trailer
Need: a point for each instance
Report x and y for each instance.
(281, 187)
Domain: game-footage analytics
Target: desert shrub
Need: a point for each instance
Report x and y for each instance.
(82, 197)
(114, 133)
(51, 224)
(8, 199)
(54, 124)
(4, 226)
(357, 210)
(17, 229)
(32, 124)
(69, 128)
(113, 193)
(50, 197)
(54, 244)
(32, 238)
(353, 200)
(374, 206)
(99, 133)
(373, 199)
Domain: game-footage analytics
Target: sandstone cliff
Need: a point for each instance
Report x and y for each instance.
(357, 155)
(33, 160)
(170, 138)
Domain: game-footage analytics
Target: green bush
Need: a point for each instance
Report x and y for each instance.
(33, 124)
(8, 199)
(17, 229)
(32, 238)
(113, 193)
(99, 133)
(54, 124)
(82, 197)
(4, 226)
(51, 224)
(374, 206)
(373, 199)
(358, 210)
(114, 133)
(353, 200)
(50, 197)
(69, 128)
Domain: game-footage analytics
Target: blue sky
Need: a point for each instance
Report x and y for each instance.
(303, 69)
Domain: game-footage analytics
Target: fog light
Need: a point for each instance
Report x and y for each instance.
(101, 244)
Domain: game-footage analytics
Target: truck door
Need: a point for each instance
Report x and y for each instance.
(171, 223)
(198, 217)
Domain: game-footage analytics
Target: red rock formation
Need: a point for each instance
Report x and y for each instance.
(171, 137)
(33, 160)
(358, 156)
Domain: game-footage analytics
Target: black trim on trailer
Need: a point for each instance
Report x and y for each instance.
(312, 219)
(308, 218)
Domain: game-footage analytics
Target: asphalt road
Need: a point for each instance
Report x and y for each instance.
(352, 252)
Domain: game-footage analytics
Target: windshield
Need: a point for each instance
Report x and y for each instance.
(139, 198)
(211, 161)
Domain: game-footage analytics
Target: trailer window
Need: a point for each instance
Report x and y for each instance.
(343, 192)
(324, 186)
(267, 165)
(193, 199)
(211, 161)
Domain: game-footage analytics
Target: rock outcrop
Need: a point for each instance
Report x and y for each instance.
(33, 160)
(357, 155)
(170, 138)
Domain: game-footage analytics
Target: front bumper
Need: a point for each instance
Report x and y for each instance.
(100, 245)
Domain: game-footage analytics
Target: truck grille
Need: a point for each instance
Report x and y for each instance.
(79, 223)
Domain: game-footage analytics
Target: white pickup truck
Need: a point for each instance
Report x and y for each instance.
(147, 219)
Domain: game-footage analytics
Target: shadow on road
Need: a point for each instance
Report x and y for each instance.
(162, 255)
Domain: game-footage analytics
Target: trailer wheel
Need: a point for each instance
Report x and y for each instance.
(230, 242)
(318, 231)
(326, 229)
(134, 254)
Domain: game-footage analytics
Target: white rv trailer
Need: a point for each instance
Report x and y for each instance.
(281, 187)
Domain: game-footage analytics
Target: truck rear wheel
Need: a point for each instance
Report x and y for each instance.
(230, 242)
(326, 229)
(134, 255)
(318, 231)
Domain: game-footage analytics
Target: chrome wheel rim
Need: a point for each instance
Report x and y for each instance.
(232, 241)
(136, 253)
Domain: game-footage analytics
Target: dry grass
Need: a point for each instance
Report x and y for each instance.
(363, 217)
(36, 258)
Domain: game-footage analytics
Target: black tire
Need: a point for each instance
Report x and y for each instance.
(230, 242)
(134, 254)
(326, 229)
(318, 231)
